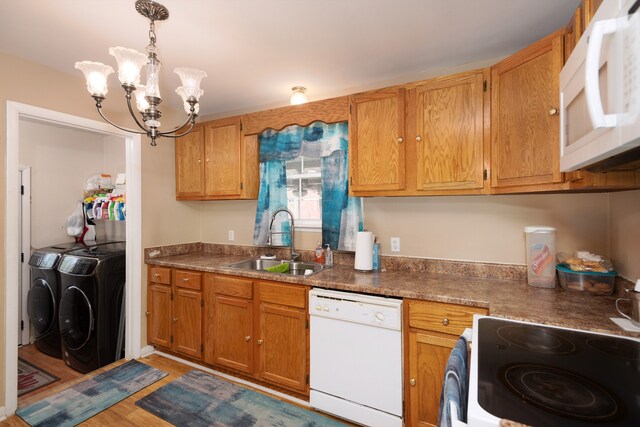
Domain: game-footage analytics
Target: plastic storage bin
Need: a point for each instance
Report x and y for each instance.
(588, 281)
(541, 256)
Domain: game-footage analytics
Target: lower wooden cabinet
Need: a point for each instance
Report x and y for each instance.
(229, 316)
(174, 311)
(433, 329)
(283, 335)
(258, 328)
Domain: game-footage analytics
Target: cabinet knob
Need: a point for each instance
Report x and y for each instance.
(445, 321)
(185, 279)
(418, 138)
(175, 319)
(247, 338)
(412, 381)
(400, 140)
(199, 161)
(146, 313)
(553, 111)
(208, 160)
(260, 342)
(156, 275)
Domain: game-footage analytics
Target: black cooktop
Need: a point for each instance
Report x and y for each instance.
(545, 376)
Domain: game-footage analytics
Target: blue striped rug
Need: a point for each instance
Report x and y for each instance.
(200, 399)
(87, 398)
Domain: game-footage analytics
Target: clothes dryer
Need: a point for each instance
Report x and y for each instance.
(44, 296)
(91, 313)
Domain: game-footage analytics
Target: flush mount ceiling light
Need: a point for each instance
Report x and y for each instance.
(147, 96)
(299, 95)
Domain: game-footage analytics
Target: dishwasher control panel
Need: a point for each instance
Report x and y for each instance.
(358, 308)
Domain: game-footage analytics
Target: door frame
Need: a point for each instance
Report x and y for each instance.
(25, 249)
(15, 111)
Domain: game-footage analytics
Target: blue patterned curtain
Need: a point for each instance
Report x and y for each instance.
(341, 214)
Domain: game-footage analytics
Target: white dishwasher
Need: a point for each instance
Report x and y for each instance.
(356, 357)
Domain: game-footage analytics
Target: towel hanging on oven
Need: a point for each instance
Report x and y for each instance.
(455, 386)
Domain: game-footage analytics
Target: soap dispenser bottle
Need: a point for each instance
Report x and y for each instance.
(328, 257)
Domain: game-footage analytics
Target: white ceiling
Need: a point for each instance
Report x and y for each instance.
(254, 51)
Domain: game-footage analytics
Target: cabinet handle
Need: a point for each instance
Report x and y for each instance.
(418, 138)
(247, 338)
(208, 160)
(553, 111)
(175, 319)
(146, 313)
(185, 279)
(445, 321)
(400, 140)
(412, 381)
(156, 275)
(199, 161)
(260, 342)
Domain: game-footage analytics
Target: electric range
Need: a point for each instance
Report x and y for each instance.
(548, 376)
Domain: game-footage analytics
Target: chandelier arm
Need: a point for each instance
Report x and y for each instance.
(115, 125)
(133, 114)
(178, 135)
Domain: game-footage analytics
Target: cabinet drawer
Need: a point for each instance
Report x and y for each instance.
(233, 286)
(289, 295)
(188, 279)
(159, 275)
(441, 317)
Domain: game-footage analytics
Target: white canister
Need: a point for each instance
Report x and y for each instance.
(364, 251)
(541, 256)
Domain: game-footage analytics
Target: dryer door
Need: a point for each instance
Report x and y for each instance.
(41, 306)
(76, 318)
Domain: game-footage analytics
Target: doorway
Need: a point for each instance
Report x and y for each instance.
(15, 113)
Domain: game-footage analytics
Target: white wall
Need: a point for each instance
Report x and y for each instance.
(61, 161)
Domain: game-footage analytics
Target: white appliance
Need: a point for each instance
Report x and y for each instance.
(356, 357)
(543, 375)
(600, 93)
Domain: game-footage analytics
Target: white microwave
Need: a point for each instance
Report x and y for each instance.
(600, 93)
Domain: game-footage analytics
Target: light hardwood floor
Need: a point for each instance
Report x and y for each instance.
(50, 364)
(124, 413)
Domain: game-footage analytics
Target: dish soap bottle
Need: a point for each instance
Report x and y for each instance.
(319, 254)
(328, 257)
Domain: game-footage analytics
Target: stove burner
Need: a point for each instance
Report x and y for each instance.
(540, 340)
(561, 392)
(615, 347)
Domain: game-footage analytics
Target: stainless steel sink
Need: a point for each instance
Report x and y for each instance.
(295, 268)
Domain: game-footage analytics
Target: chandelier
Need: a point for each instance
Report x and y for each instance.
(147, 97)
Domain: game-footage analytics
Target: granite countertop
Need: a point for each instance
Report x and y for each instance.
(508, 297)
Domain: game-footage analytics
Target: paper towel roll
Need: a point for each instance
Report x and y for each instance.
(364, 251)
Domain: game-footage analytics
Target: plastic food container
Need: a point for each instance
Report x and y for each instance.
(541, 256)
(589, 281)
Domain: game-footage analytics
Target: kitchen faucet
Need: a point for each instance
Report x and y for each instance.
(293, 254)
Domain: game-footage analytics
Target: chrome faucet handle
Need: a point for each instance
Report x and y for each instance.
(295, 256)
(269, 240)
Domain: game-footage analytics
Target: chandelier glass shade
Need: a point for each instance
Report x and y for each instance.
(147, 97)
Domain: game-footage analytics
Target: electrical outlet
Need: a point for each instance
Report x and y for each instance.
(232, 235)
(395, 244)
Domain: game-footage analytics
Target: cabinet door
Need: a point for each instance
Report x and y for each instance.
(187, 322)
(446, 119)
(282, 346)
(376, 141)
(590, 7)
(525, 123)
(428, 355)
(159, 315)
(223, 158)
(573, 31)
(233, 326)
(190, 165)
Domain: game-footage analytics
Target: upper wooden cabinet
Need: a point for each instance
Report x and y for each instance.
(376, 140)
(190, 164)
(428, 137)
(448, 137)
(573, 31)
(525, 119)
(217, 161)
